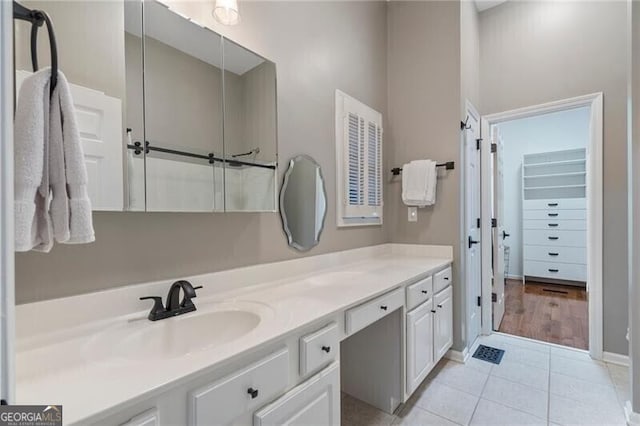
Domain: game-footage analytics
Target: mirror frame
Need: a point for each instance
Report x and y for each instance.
(283, 215)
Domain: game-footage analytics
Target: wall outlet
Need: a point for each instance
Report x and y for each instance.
(412, 214)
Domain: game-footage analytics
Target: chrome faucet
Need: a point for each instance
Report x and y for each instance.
(174, 305)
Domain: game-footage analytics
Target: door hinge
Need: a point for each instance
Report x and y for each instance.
(478, 223)
(494, 147)
(478, 143)
(494, 222)
(479, 300)
(494, 297)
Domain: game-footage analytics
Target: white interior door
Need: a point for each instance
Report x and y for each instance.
(473, 259)
(99, 119)
(499, 233)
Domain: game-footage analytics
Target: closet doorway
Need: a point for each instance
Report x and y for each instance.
(542, 188)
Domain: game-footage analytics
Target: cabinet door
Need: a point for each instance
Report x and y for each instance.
(314, 402)
(419, 345)
(443, 328)
(148, 418)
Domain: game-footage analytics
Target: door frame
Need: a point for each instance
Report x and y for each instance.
(470, 109)
(7, 298)
(594, 207)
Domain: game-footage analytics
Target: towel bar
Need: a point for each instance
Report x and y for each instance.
(449, 165)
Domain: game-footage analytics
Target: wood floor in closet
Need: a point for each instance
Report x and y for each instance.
(547, 312)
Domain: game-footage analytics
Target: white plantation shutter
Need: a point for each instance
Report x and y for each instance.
(359, 162)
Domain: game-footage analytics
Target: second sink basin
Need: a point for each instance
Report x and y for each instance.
(178, 336)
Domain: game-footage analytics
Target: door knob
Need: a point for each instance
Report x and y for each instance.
(505, 235)
(472, 241)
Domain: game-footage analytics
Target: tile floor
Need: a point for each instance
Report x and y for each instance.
(535, 384)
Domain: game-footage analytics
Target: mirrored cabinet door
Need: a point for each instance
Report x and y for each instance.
(250, 136)
(183, 113)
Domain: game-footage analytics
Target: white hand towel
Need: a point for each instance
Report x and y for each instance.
(70, 205)
(31, 192)
(418, 183)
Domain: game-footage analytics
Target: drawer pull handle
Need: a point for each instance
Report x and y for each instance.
(553, 225)
(553, 214)
(327, 349)
(553, 238)
(446, 278)
(433, 311)
(553, 204)
(439, 306)
(553, 254)
(553, 270)
(425, 291)
(253, 392)
(383, 307)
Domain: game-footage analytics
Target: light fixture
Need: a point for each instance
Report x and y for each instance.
(226, 12)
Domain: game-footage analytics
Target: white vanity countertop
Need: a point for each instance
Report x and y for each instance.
(81, 351)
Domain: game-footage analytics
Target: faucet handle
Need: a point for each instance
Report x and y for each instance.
(157, 308)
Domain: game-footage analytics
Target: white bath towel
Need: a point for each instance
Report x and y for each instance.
(70, 203)
(419, 183)
(31, 189)
(51, 200)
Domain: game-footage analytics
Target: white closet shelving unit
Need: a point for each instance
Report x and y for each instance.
(554, 219)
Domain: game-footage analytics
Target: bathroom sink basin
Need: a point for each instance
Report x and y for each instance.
(178, 336)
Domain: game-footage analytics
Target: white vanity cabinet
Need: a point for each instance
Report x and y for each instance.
(314, 402)
(429, 329)
(443, 322)
(420, 344)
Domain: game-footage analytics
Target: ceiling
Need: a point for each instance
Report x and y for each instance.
(483, 5)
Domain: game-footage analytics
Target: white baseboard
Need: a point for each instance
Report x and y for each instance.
(514, 277)
(614, 358)
(633, 419)
(457, 355)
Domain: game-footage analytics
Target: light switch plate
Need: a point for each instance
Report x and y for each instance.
(412, 214)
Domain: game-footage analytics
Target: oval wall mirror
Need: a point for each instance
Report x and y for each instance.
(303, 203)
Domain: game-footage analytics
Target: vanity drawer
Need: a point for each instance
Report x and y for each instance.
(560, 271)
(441, 279)
(575, 214)
(361, 316)
(552, 223)
(419, 292)
(555, 238)
(241, 392)
(319, 348)
(555, 204)
(556, 254)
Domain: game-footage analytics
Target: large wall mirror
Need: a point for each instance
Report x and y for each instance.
(173, 116)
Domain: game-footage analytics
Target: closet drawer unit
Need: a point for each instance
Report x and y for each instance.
(574, 214)
(240, 392)
(556, 254)
(555, 204)
(319, 348)
(441, 279)
(563, 225)
(560, 271)
(361, 316)
(555, 238)
(419, 292)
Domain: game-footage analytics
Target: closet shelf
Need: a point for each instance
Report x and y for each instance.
(556, 175)
(556, 163)
(554, 187)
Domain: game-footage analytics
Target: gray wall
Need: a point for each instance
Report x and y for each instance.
(536, 52)
(317, 47)
(424, 92)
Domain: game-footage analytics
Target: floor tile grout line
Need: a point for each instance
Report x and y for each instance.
(549, 390)
(480, 397)
(437, 415)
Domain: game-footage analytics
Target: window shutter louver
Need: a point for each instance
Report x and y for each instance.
(359, 157)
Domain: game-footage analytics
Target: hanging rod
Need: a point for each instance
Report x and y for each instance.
(137, 148)
(449, 165)
(37, 18)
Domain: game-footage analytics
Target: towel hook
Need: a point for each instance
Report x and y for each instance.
(464, 125)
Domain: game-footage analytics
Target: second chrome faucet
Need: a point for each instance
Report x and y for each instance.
(174, 305)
